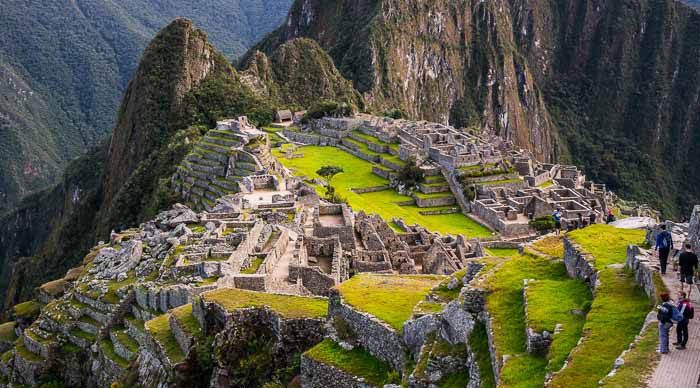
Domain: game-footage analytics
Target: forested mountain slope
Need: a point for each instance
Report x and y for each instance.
(64, 65)
(610, 85)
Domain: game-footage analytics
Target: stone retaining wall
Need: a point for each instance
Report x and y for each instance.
(537, 343)
(315, 374)
(580, 264)
(377, 337)
(312, 278)
(645, 270)
(435, 202)
(381, 172)
(370, 189)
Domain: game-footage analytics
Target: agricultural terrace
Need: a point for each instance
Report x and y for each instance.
(389, 298)
(358, 174)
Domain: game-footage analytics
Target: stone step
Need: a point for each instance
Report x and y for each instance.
(225, 134)
(210, 155)
(219, 149)
(222, 141)
(197, 158)
(219, 170)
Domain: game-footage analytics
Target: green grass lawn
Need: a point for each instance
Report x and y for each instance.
(606, 243)
(552, 245)
(358, 174)
(551, 302)
(390, 298)
(618, 310)
(286, 305)
(501, 252)
(159, 328)
(639, 362)
(357, 362)
(254, 267)
(506, 305)
(370, 139)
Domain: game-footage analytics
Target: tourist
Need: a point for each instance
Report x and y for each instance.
(591, 218)
(557, 220)
(688, 261)
(664, 244)
(611, 217)
(686, 311)
(666, 312)
(580, 220)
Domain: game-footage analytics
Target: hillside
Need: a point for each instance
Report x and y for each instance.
(612, 87)
(64, 65)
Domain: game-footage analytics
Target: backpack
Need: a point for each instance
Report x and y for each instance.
(689, 312)
(664, 243)
(665, 313)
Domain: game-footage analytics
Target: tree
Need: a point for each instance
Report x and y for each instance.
(410, 175)
(328, 172)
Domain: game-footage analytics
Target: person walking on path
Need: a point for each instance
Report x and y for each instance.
(667, 311)
(557, 215)
(664, 244)
(611, 217)
(687, 312)
(688, 263)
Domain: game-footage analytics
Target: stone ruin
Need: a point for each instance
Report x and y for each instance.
(479, 173)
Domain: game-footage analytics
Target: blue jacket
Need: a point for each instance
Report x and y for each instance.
(664, 235)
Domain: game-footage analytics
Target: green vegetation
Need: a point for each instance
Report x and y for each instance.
(126, 340)
(7, 332)
(479, 343)
(410, 174)
(606, 243)
(501, 182)
(328, 172)
(443, 291)
(553, 246)
(27, 310)
(620, 307)
(197, 228)
(506, 305)
(390, 298)
(76, 332)
(543, 224)
(254, 266)
(639, 362)
(187, 320)
(159, 328)
(552, 302)
(23, 352)
(502, 252)
(355, 362)
(324, 108)
(108, 348)
(286, 305)
(358, 174)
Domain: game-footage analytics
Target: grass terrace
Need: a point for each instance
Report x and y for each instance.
(188, 322)
(159, 328)
(7, 332)
(27, 310)
(506, 305)
(254, 267)
(502, 252)
(371, 139)
(501, 182)
(479, 343)
(286, 305)
(357, 362)
(358, 174)
(390, 298)
(551, 302)
(620, 307)
(639, 362)
(552, 245)
(108, 348)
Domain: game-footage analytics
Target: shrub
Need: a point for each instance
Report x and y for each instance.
(331, 108)
(410, 175)
(396, 114)
(543, 224)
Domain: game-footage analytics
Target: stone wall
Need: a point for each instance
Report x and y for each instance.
(315, 374)
(537, 343)
(435, 202)
(580, 264)
(377, 337)
(277, 251)
(312, 278)
(645, 269)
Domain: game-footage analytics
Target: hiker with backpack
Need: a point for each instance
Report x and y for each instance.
(686, 310)
(688, 262)
(667, 313)
(664, 244)
(557, 215)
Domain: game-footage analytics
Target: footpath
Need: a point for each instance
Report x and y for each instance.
(680, 368)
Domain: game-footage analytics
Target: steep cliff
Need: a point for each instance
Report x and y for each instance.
(444, 61)
(610, 85)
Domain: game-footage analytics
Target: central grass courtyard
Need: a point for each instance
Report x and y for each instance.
(358, 174)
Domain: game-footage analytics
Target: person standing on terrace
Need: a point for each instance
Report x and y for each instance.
(557, 215)
(664, 244)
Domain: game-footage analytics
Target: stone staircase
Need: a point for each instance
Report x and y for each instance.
(216, 165)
